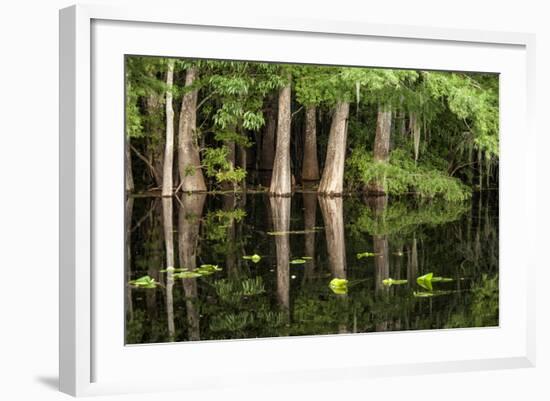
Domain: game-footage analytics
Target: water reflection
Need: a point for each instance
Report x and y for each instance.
(189, 218)
(300, 248)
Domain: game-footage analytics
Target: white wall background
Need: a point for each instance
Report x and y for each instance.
(29, 197)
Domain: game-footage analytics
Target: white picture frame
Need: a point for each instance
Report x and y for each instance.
(93, 358)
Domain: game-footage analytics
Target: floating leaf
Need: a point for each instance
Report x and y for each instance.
(339, 286)
(442, 279)
(254, 258)
(193, 274)
(297, 262)
(173, 270)
(206, 270)
(307, 257)
(362, 255)
(425, 281)
(144, 282)
(390, 281)
(426, 294)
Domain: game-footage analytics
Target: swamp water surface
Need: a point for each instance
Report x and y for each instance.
(246, 265)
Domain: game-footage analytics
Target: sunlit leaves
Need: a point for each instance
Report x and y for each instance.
(144, 282)
(254, 258)
(339, 286)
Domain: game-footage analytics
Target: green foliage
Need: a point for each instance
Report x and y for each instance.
(217, 166)
(254, 258)
(144, 282)
(362, 255)
(390, 281)
(339, 286)
(401, 176)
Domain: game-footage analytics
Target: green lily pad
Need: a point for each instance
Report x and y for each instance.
(442, 279)
(362, 255)
(144, 282)
(307, 257)
(425, 281)
(254, 258)
(297, 262)
(173, 270)
(339, 286)
(205, 270)
(193, 274)
(428, 294)
(390, 281)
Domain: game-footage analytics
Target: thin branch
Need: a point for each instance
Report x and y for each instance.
(146, 161)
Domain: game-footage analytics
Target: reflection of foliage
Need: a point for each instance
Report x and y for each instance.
(216, 223)
(483, 311)
(402, 217)
(401, 175)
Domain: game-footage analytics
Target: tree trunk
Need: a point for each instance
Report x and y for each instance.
(128, 167)
(168, 225)
(280, 210)
(381, 147)
(189, 216)
(310, 168)
(268, 140)
(167, 186)
(280, 181)
(333, 216)
(191, 177)
(332, 182)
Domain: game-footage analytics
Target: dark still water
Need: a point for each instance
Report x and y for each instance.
(211, 267)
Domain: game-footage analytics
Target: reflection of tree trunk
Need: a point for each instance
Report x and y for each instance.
(333, 216)
(154, 255)
(332, 181)
(189, 216)
(169, 144)
(412, 263)
(281, 180)
(378, 205)
(229, 205)
(168, 225)
(191, 176)
(128, 234)
(381, 146)
(310, 211)
(310, 169)
(280, 210)
(268, 140)
(381, 260)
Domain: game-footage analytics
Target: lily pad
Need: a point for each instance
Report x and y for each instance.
(425, 281)
(362, 255)
(306, 257)
(297, 262)
(144, 282)
(390, 281)
(339, 286)
(254, 258)
(428, 294)
(192, 274)
(172, 269)
(206, 270)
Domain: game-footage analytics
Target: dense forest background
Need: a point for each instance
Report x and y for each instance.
(202, 125)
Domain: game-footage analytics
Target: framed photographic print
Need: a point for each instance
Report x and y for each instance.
(278, 200)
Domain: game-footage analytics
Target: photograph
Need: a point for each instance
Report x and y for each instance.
(269, 200)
